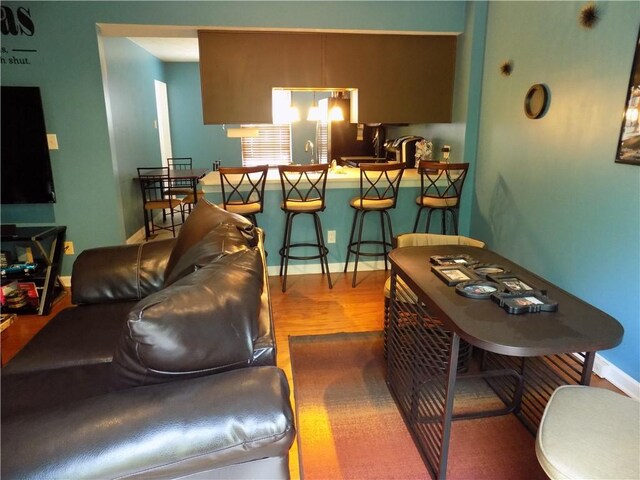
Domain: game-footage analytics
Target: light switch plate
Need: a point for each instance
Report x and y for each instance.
(52, 141)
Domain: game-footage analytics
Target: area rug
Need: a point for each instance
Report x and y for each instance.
(349, 426)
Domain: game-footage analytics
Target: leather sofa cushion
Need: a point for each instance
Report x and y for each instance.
(185, 429)
(44, 390)
(222, 240)
(117, 273)
(82, 335)
(205, 217)
(203, 323)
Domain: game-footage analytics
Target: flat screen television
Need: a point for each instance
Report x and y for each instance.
(25, 166)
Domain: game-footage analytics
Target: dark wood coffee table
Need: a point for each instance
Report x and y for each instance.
(524, 357)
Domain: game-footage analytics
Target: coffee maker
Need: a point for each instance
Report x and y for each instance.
(403, 149)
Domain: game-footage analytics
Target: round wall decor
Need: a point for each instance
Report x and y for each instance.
(536, 101)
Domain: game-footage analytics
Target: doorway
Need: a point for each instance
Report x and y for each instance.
(164, 131)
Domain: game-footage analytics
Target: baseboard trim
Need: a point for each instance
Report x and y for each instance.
(311, 268)
(607, 370)
(138, 237)
(66, 281)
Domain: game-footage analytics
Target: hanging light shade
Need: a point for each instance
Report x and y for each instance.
(314, 110)
(335, 114)
(294, 114)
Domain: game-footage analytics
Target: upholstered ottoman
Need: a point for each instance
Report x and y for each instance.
(589, 433)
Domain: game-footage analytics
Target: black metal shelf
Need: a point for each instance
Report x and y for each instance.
(48, 242)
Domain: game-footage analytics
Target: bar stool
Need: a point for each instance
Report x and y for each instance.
(303, 192)
(379, 185)
(440, 189)
(243, 190)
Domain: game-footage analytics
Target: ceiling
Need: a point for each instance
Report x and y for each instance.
(170, 49)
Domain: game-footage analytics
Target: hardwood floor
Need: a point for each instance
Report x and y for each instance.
(308, 307)
(25, 327)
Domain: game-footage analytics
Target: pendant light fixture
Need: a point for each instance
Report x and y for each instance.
(335, 112)
(314, 110)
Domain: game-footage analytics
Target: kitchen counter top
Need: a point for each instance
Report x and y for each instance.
(339, 177)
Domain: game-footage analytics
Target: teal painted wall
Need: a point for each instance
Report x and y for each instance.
(130, 75)
(66, 65)
(548, 194)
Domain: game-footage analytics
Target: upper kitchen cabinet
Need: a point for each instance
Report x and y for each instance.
(400, 78)
(239, 69)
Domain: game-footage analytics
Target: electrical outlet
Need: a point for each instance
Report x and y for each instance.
(331, 236)
(68, 248)
(52, 141)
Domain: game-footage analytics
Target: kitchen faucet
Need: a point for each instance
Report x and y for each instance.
(308, 145)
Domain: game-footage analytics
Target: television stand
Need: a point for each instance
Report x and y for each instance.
(37, 272)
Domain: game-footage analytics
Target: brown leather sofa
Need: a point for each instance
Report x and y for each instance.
(163, 368)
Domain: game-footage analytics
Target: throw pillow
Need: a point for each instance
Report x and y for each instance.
(222, 240)
(205, 216)
(202, 324)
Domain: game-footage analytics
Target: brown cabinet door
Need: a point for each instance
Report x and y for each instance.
(239, 69)
(400, 78)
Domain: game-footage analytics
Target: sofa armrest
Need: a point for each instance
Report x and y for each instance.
(123, 272)
(161, 431)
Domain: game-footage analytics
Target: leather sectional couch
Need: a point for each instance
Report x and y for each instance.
(164, 367)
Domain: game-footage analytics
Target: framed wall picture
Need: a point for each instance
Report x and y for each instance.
(629, 141)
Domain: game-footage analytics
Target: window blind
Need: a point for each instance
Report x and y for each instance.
(272, 146)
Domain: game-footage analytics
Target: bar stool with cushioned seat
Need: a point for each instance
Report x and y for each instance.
(379, 185)
(440, 190)
(420, 240)
(589, 432)
(243, 190)
(303, 192)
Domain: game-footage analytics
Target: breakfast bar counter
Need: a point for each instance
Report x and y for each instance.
(338, 177)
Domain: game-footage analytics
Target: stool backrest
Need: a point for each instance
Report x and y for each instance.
(243, 185)
(303, 183)
(442, 180)
(380, 181)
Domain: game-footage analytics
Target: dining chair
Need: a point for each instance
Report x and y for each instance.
(181, 186)
(379, 187)
(157, 194)
(243, 190)
(440, 190)
(184, 187)
(303, 193)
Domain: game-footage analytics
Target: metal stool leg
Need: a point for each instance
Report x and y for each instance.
(426, 229)
(358, 246)
(324, 262)
(384, 238)
(415, 225)
(350, 244)
(287, 251)
(390, 242)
